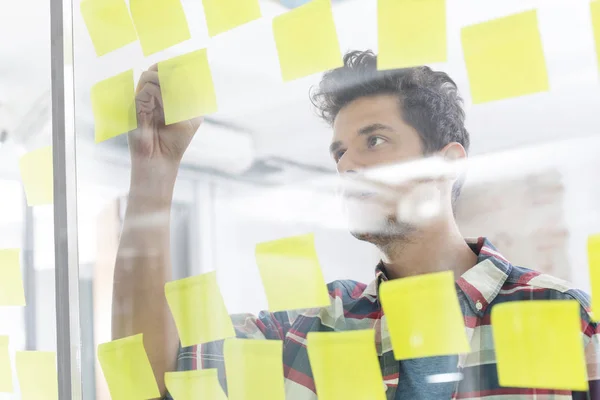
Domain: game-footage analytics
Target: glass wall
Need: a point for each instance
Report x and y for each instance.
(27, 296)
(233, 222)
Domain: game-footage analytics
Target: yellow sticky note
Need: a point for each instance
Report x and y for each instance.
(595, 12)
(160, 24)
(187, 87)
(127, 369)
(223, 15)
(304, 51)
(345, 365)
(198, 309)
(593, 250)
(504, 58)
(37, 176)
(113, 105)
(411, 33)
(291, 274)
(254, 369)
(538, 344)
(36, 371)
(194, 385)
(6, 384)
(11, 281)
(412, 336)
(108, 23)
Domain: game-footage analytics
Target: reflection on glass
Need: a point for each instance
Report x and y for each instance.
(386, 186)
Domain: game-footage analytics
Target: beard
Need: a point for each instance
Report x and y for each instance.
(393, 232)
(381, 220)
(376, 224)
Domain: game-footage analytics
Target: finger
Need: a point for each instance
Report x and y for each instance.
(152, 90)
(195, 123)
(154, 67)
(147, 77)
(145, 106)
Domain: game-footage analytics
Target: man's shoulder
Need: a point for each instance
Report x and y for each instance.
(522, 283)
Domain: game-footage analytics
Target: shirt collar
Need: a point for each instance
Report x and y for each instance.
(481, 283)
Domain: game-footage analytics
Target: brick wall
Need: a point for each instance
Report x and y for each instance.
(522, 217)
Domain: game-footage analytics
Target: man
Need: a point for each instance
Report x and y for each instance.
(378, 118)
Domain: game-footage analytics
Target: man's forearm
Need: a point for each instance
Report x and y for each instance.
(142, 267)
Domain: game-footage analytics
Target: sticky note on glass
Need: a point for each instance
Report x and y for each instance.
(291, 274)
(593, 250)
(504, 58)
(187, 87)
(36, 371)
(11, 280)
(254, 369)
(345, 365)
(6, 384)
(595, 12)
(538, 344)
(194, 385)
(160, 24)
(198, 309)
(37, 176)
(411, 33)
(108, 23)
(223, 15)
(127, 369)
(113, 105)
(305, 51)
(412, 336)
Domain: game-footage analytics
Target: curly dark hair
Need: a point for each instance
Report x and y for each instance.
(429, 100)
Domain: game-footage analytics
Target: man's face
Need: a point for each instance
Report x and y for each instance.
(370, 132)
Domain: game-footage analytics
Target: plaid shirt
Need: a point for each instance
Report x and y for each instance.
(354, 305)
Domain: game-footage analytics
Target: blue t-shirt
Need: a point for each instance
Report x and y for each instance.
(414, 383)
(415, 374)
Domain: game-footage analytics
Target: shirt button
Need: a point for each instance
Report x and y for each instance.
(478, 305)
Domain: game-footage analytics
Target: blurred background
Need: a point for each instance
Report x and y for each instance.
(249, 175)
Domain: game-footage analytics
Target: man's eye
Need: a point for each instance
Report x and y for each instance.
(375, 141)
(338, 155)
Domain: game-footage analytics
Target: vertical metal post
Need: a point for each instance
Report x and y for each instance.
(29, 277)
(194, 227)
(65, 202)
(204, 201)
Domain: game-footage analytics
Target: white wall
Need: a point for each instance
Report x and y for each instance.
(582, 208)
(45, 323)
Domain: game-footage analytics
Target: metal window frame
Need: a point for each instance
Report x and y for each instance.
(68, 342)
(27, 250)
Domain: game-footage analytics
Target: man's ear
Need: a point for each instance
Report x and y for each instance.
(455, 154)
(453, 151)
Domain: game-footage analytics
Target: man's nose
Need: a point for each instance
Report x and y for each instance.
(348, 164)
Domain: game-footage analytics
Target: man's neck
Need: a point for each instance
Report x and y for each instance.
(440, 247)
